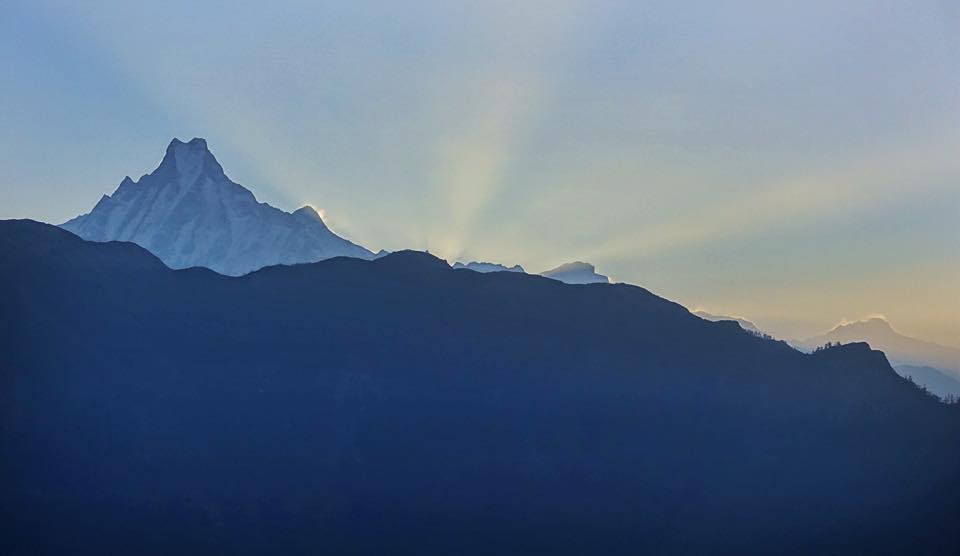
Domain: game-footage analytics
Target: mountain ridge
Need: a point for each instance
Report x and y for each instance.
(936, 381)
(901, 349)
(483, 413)
(483, 266)
(744, 323)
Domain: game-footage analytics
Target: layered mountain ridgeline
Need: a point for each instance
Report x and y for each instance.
(189, 213)
(744, 323)
(397, 405)
(936, 381)
(901, 349)
(569, 273)
(932, 366)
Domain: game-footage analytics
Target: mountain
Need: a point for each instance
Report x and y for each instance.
(189, 213)
(478, 266)
(934, 380)
(576, 273)
(744, 323)
(902, 350)
(395, 405)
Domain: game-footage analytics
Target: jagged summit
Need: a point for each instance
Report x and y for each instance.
(197, 143)
(190, 159)
(189, 213)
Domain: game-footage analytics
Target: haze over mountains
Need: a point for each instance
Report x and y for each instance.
(930, 365)
(938, 382)
(900, 349)
(395, 405)
(492, 346)
(190, 388)
(189, 213)
(744, 323)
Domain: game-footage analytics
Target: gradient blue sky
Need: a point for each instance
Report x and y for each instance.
(796, 163)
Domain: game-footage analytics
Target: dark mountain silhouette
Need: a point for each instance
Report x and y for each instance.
(901, 349)
(189, 213)
(398, 406)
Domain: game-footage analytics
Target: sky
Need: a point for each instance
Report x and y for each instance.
(794, 163)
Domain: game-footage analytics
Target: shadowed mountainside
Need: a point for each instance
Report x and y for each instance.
(397, 405)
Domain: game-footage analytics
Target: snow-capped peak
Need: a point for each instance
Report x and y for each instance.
(189, 213)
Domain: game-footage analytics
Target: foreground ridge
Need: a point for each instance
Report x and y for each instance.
(355, 406)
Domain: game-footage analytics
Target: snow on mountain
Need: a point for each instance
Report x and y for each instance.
(189, 213)
(479, 266)
(576, 273)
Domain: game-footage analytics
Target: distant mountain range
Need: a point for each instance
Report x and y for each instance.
(189, 213)
(477, 266)
(576, 273)
(394, 405)
(934, 380)
(900, 349)
(933, 366)
(744, 323)
(569, 273)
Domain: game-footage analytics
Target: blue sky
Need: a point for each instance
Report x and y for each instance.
(794, 163)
